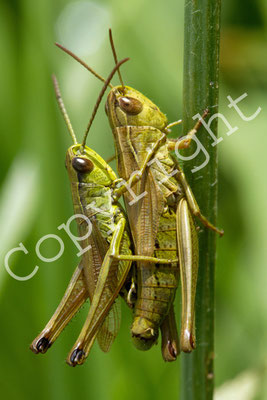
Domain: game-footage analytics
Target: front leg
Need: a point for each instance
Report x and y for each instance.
(185, 141)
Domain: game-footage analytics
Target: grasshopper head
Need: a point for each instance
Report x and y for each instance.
(130, 107)
(144, 333)
(84, 165)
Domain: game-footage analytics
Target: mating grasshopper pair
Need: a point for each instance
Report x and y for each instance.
(164, 244)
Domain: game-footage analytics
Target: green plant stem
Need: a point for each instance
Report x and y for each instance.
(201, 67)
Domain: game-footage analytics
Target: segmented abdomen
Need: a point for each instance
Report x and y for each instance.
(157, 283)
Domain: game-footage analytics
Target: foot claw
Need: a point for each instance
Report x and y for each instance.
(76, 357)
(41, 346)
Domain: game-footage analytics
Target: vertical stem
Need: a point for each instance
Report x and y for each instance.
(201, 67)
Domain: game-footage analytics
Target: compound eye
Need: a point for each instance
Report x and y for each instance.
(130, 105)
(81, 164)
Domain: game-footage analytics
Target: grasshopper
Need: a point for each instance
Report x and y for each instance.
(105, 265)
(161, 221)
(165, 204)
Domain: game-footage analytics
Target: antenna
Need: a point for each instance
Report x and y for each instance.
(115, 57)
(82, 63)
(63, 109)
(100, 98)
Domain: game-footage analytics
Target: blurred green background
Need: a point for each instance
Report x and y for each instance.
(35, 193)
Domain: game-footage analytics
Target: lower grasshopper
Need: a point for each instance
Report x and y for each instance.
(105, 265)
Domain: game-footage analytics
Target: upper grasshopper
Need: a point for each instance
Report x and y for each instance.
(161, 193)
(105, 265)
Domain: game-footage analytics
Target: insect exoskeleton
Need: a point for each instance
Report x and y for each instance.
(161, 209)
(137, 124)
(126, 106)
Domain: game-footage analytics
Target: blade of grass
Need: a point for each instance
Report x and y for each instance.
(201, 67)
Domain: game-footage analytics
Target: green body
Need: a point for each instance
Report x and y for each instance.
(92, 197)
(104, 267)
(162, 227)
(156, 285)
(140, 136)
